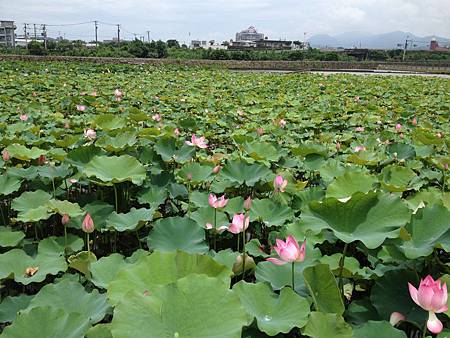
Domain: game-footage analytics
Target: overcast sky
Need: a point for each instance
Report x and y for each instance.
(221, 19)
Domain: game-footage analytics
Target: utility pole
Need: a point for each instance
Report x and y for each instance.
(118, 35)
(25, 34)
(148, 36)
(96, 29)
(35, 34)
(44, 33)
(405, 48)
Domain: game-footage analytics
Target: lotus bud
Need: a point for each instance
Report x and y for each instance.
(41, 160)
(34, 94)
(359, 129)
(216, 169)
(81, 107)
(414, 121)
(67, 125)
(189, 176)
(94, 93)
(445, 166)
(88, 224)
(260, 131)
(248, 203)
(118, 94)
(282, 123)
(156, 117)
(396, 317)
(5, 155)
(398, 127)
(65, 219)
(177, 132)
(401, 135)
(23, 117)
(338, 146)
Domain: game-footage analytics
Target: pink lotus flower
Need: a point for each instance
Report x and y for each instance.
(73, 180)
(67, 125)
(177, 132)
(156, 117)
(216, 169)
(401, 135)
(81, 107)
(5, 155)
(357, 98)
(65, 219)
(359, 148)
(90, 134)
(197, 141)
(88, 224)
(398, 127)
(94, 93)
(288, 251)
(118, 94)
(432, 297)
(260, 131)
(217, 202)
(282, 123)
(34, 94)
(280, 184)
(338, 146)
(208, 226)
(414, 121)
(248, 203)
(445, 166)
(23, 117)
(396, 317)
(359, 129)
(239, 223)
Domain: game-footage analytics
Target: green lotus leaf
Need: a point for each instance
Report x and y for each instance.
(10, 306)
(99, 331)
(270, 213)
(366, 158)
(160, 269)
(426, 137)
(199, 199)
(326, 325)
(82, 262)
(351, 264)
(72, 298)
(401, 151)
(9, 184)
(255, 248)
(47, 322)
(83, 155)
(369, 218)
(110, 121)
(225, 257)
(32, 206)
(396, 178)
(166, 147)
(323, 289)
(261, 151)
(390, 293)
(207, 215)
(23, 153)
(360, 311)
(429, 228)
(10, 238)
(168, 311)
(306, 149)
(154, 195)
(273, 313)
(14, 264)
(52, 172)
(195, 172)
(235, 205)
(129, 221)
(177, 233)
(57, 246)
(116, 169)
(117, 143)
(239, 172)
(106, 269)
(373, 329)
(351, 182)
(64, 207)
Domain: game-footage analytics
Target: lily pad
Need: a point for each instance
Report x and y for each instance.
(270, 213)
(240, 173)
(10, 306)
(23, 153)
(116, 169)
(9, 184)
(326, 325)
(177, 233)
(32, 206)
(273, 313)
(106, 269)
(168, 311)
(10, 238)
(351, 182)
(373, 329)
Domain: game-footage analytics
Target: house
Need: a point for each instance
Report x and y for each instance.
(7, 35)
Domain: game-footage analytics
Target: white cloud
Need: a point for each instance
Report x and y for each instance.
(220, 19)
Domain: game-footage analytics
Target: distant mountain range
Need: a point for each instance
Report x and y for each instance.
(376, 41)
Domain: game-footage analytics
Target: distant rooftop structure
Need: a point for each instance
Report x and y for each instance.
(7, 35)
(434, 46)
(249, 34)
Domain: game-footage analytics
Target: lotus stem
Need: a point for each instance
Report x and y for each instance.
(87, 243)
(65, 236)
(189, 199)
(116, 199)
(54, 188)
(243, 250)
(138, 239)
(215, 228)
(238, 242)
(341, 269)
(424, 332)
(3, 215)
(292, 273)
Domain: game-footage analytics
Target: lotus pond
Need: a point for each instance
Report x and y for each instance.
(139, 201)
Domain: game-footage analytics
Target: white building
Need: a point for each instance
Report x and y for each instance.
(249, 34)
(7, 35)
(206, 45)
